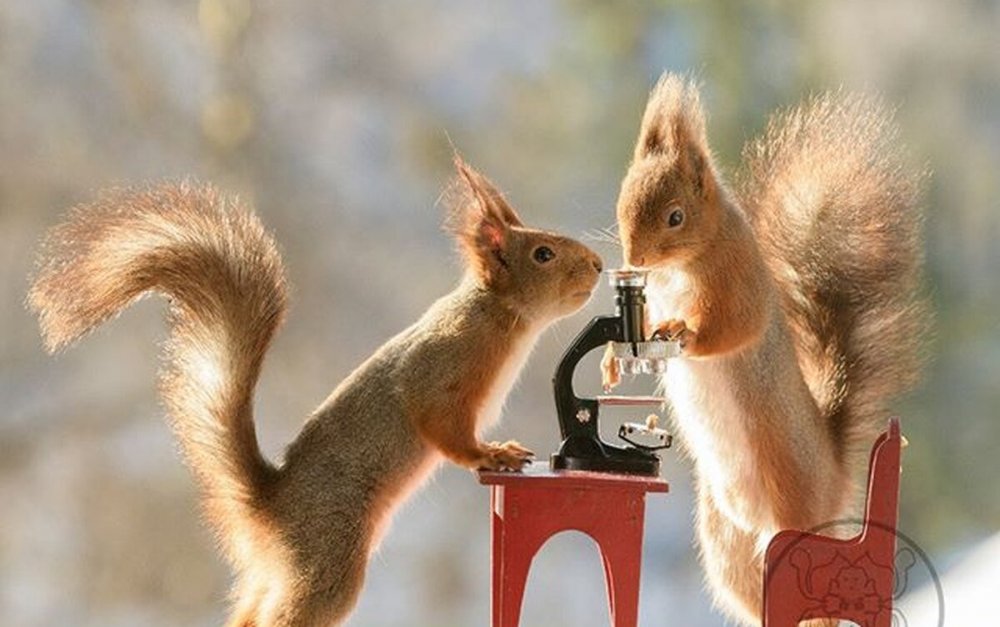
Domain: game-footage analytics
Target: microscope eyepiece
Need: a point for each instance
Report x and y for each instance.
(627, 278)
(630, 304)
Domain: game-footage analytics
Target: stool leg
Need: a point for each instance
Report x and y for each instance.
(496, 555)
(621, 553)
(516, 564)
(515, 542)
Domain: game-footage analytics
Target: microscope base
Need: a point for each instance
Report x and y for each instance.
(581, 453)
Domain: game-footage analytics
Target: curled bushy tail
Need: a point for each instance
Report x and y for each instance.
(836, 212)
(226, 286)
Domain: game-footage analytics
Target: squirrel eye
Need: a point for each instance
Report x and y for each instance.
(676, 218)
(543, 254)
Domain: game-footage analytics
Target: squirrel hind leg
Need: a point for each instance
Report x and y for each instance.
(245, 618)
(320, 607)
(325, 596)
(245, 615)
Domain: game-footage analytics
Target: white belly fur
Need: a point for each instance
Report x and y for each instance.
(708, 416)
(711, 424)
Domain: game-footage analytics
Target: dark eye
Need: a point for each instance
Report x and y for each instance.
(676, 218)
(543, 254)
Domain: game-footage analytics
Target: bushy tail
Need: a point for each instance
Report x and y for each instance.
(835, 208)
(225, 282)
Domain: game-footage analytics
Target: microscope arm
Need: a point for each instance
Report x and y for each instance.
(578, 416)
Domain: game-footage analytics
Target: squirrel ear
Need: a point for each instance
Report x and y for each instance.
(487, 196)
(673, 126)
(480, 220)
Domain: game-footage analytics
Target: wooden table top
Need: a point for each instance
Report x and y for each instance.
(541, 475)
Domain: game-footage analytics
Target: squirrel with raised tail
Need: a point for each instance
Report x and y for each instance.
(796, 298)
(300, 534)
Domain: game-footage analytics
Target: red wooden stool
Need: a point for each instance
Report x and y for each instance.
(812, 576)
(529, 508)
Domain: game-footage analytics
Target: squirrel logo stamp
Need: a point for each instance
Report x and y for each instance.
(858, 589)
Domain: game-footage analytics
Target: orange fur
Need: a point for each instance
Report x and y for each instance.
(300, 534)
(796, 302)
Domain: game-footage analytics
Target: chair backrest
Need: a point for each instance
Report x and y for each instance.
(882, 507)
(801, 567)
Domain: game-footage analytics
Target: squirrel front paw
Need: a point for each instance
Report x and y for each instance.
(507, 456)
(610, 375)
(675, 330)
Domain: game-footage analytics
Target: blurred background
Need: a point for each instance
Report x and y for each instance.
(333, 119)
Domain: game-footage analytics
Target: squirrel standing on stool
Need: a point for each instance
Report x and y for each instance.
(299, 535)
(796, 300)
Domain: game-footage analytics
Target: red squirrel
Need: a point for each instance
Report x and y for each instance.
(797, 301)
(299, 534)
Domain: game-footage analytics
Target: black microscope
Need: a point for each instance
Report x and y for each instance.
(582, 447)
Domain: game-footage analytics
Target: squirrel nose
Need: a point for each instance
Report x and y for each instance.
(635, 261)
(598, 265)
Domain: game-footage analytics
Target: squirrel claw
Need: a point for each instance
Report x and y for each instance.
(675, 330)
(507, 456)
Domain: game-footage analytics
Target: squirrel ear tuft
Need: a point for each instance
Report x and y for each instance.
(487, 196)
(673, 126)
(480, 219)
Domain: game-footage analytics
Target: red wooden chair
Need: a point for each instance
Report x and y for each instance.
(812, 576)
